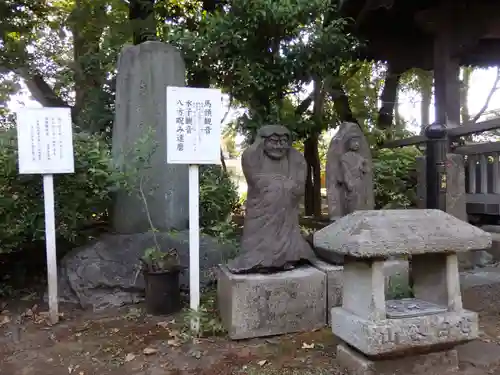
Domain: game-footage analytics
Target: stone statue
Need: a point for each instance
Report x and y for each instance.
(349, 174)
(276, 174)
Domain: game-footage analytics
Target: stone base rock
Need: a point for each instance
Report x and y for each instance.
(104, 274)
(396, 280)
(333, 285)
(258, 305)
(437, 363)
(398, 336)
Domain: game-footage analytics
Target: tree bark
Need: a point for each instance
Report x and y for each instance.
(312, 199)
(464, 91)
(389, 97)
(425, 82)
(312, 196)
(87, 28)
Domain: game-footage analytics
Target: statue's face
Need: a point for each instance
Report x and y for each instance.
(276, 146)
(354, 144)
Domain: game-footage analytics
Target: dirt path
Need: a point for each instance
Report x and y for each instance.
(127, 342)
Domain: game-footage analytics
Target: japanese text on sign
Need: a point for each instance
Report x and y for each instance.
(45, 141)
(193, 125)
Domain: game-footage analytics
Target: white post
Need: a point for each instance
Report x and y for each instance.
(194, 242)
(50, 243)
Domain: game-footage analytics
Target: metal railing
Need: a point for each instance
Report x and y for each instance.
(481, 163)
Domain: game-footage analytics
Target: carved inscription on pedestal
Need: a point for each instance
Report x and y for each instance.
(413, 333)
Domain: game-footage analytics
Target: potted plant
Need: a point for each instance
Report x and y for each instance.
(159, 266)
(161, 271)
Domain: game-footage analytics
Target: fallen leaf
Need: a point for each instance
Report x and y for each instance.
(163, 324)
(4, 320)
(173, 343)
(150, 351)
(115, 330)
(307, 346)
(196, 354)
(174, 333)
(262, 363)
(129, 357)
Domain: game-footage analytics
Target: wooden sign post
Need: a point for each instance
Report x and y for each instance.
(45, 146)
(193, 137)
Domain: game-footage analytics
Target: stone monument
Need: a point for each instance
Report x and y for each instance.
(408, 335)
(266, 290)
(144, 72)
(349, 172)
(103, 274)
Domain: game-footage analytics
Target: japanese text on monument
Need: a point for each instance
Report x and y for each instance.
(45, 141)
(194, 115)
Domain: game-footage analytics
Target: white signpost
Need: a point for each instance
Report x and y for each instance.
(45, 146)
(193, 137)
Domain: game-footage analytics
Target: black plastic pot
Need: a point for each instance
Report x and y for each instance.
(163, 292)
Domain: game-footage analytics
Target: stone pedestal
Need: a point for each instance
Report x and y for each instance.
(257, 305)
(380, 334)
(334, 277)
(437, 363)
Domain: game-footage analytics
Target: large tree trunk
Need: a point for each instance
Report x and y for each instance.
(425, 83)
(142, 19)
(398, 121)
(389, 97)
(464, 91)
(312, 200)
(87, 27)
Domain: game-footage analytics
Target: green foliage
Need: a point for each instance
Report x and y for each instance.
(218, 197)
(395, 179)
(398, 287)
(207, 316)
(156, 260)
(82, 199)
(261, 52)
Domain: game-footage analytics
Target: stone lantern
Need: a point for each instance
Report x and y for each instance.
(382, 336)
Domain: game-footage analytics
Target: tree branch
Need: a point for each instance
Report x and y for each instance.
(302, 107)
(222, 159)
(494, 88)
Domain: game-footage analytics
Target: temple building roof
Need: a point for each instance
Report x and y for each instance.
(404, 29)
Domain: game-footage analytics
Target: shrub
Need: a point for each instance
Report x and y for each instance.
(84, 198)
(81, 198)
(395, 179)
(218, 196)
